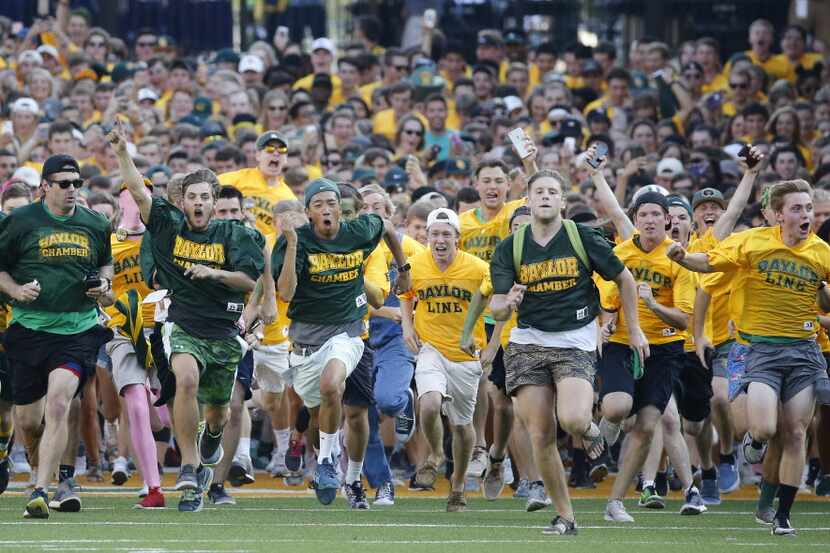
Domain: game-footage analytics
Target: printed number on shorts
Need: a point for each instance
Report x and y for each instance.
(671, 331)
(360, 300)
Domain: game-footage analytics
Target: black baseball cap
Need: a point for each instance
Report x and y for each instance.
(60, 163)
(651, 198)
(270, 136)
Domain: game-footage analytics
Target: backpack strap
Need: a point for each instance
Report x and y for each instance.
(576, 243)
(518, 243)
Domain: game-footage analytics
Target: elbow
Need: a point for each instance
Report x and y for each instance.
(683, 322)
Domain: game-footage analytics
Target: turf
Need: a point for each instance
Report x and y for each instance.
(108, 523)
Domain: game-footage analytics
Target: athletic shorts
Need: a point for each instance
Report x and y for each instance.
(720, 363)
(5, 379)
(126, 370)
(360, 385)
(735, 369)
(787, 369)
(457, 382)
(307, 364)
(217, 359)
(692, 388)
(271, 368)
(654, 387)
(245, 373)
(33, 355)
(497, 371)
(531, 364)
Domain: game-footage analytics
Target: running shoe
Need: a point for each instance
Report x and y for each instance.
(355, 494)
(294, 456)
(210, 446)
(456, 502)
(120, 471)
(405, 421)
(385, 495)
(781, 527)
(650, 499)
(598, 472)
(19, 462)
(191, 501)
(241, 473)
(187, 479)
(823, 486)
(426, 475)
(494, 479)
(561, 526)
(38, 505)
(579, 479)
(94, 473)
(765, 516)
(694, 504)
(326, 482)
(65, 499)
(276, 466)
(709, 491)
(153, 500)
(615, 512)
(478, 462)
(729, 478)
(537, 497)
(752, 455)
(218, 496)
(522, 489)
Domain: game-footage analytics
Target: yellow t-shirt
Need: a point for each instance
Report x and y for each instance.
(732, 285)
(127, 275)
(336, 92)
(807, 61)
(671, 284)
(775, 276)
(720, 82)
(480, 238)
(410, 246)
(375, 272)
(276, 332)
(716, 327)
(251, 182)
(444, 298)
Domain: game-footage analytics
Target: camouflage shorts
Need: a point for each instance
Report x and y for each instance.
(530, 364)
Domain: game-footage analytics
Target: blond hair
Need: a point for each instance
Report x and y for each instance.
(779, 191)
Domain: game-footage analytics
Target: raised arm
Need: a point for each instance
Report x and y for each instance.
(605, 197)
(726, 223)
(131, 176)
(287, 281)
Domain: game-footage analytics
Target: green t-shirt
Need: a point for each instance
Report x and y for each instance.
(560, 292)
(330, 272)
(203, 308)
(58, 252)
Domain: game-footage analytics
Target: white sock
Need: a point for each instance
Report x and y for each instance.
(243, 450)
(281, 438)
(647, 483)
(327, 444)
(337, 449)
(353, 472)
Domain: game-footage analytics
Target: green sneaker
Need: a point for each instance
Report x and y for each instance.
(650, 500)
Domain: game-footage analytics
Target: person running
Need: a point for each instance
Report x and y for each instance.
(444, 281)
(551, 354)
(208, 266)
(319, 270)
(784, 265)
(55, 265)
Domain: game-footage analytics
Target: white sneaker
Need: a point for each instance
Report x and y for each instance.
(615, 512)
(19, 463)
(120, 471)
(144, 491)
(276, 466)
(609, 430)
(508, 471)
(478, 462)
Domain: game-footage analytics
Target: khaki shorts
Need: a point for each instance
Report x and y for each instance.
(126, 370)
(271, 368)
(307, 364)
(530, 364)
(217, 359)
(456, 381)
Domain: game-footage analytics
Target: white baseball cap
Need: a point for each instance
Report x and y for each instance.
(649, 188)
(251, 62)
(30, 56)
(48, 50)
(28, 175)
(24, 104)
(324, 43)
(147, 94)
(670, 167)
(444, 215)
(512, 103)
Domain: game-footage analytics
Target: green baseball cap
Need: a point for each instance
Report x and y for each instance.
(320, 185)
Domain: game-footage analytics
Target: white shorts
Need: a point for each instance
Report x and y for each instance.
(308, 368)
(456, 381)
(271, 368)
(126, 370)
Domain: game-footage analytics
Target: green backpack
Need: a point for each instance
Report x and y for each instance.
(573, 236)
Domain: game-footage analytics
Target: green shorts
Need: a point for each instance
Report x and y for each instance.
(217, 359)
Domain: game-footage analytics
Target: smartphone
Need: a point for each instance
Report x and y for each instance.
(92, 280)
(518, 138)
(430, 18)
(709, 356)
(751, 161)
(570, 144)
(636, 365)
(637, 151)
(602, 151)
(7, 128)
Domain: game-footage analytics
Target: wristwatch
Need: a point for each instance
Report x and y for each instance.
(404, 268)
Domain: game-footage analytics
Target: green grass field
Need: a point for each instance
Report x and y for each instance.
(108, 523)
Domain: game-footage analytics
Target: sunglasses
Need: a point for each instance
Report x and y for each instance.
(146, 44)
(277, 108)
(742, 86)
(401, 68)
(413, 132)
(64, 184)
(280, 149)
(332, 162)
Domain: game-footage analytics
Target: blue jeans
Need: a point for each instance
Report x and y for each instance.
(394, 367)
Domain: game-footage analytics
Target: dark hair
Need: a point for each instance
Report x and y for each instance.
(348, 191)
(202, 175)
(468, 195)
(371, 27)
(98, 198)
(228, 153)
(491, 164)
(230, 192)
(620, 74)
(544, 173)
(773, 158)
(755, 108)
(15, 190)
(606, 48)
(436, 97)
(60, 127)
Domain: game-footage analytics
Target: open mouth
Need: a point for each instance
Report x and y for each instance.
(710, 220)
(804, 227)
(675, 233)
(440, 248)
(274, 164)
(327, 222)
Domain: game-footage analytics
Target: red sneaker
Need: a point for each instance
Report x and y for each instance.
(153, 500)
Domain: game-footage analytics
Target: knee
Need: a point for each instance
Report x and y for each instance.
(794, 435)
(693, 428)
(671, 425)
(616, 410)
(57, 408)
(216, 416)
(235, 416)
(187, 382)
(357, 416)
(575, 423)
(28, 423)
(331, 391)
(430, 404)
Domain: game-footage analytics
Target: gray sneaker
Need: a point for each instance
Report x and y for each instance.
(694, 504)
(65, 499)
(494, 479)
(561, 526)
(523, 489)
(219, 496)
(610, 431)
(478, 462)
(537, 498)
(187, 478)
(615, 512)
(210, 447)
(765, 516)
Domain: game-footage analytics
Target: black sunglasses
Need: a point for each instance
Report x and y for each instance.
(413, 132)
(77, 183)
(742, 86)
